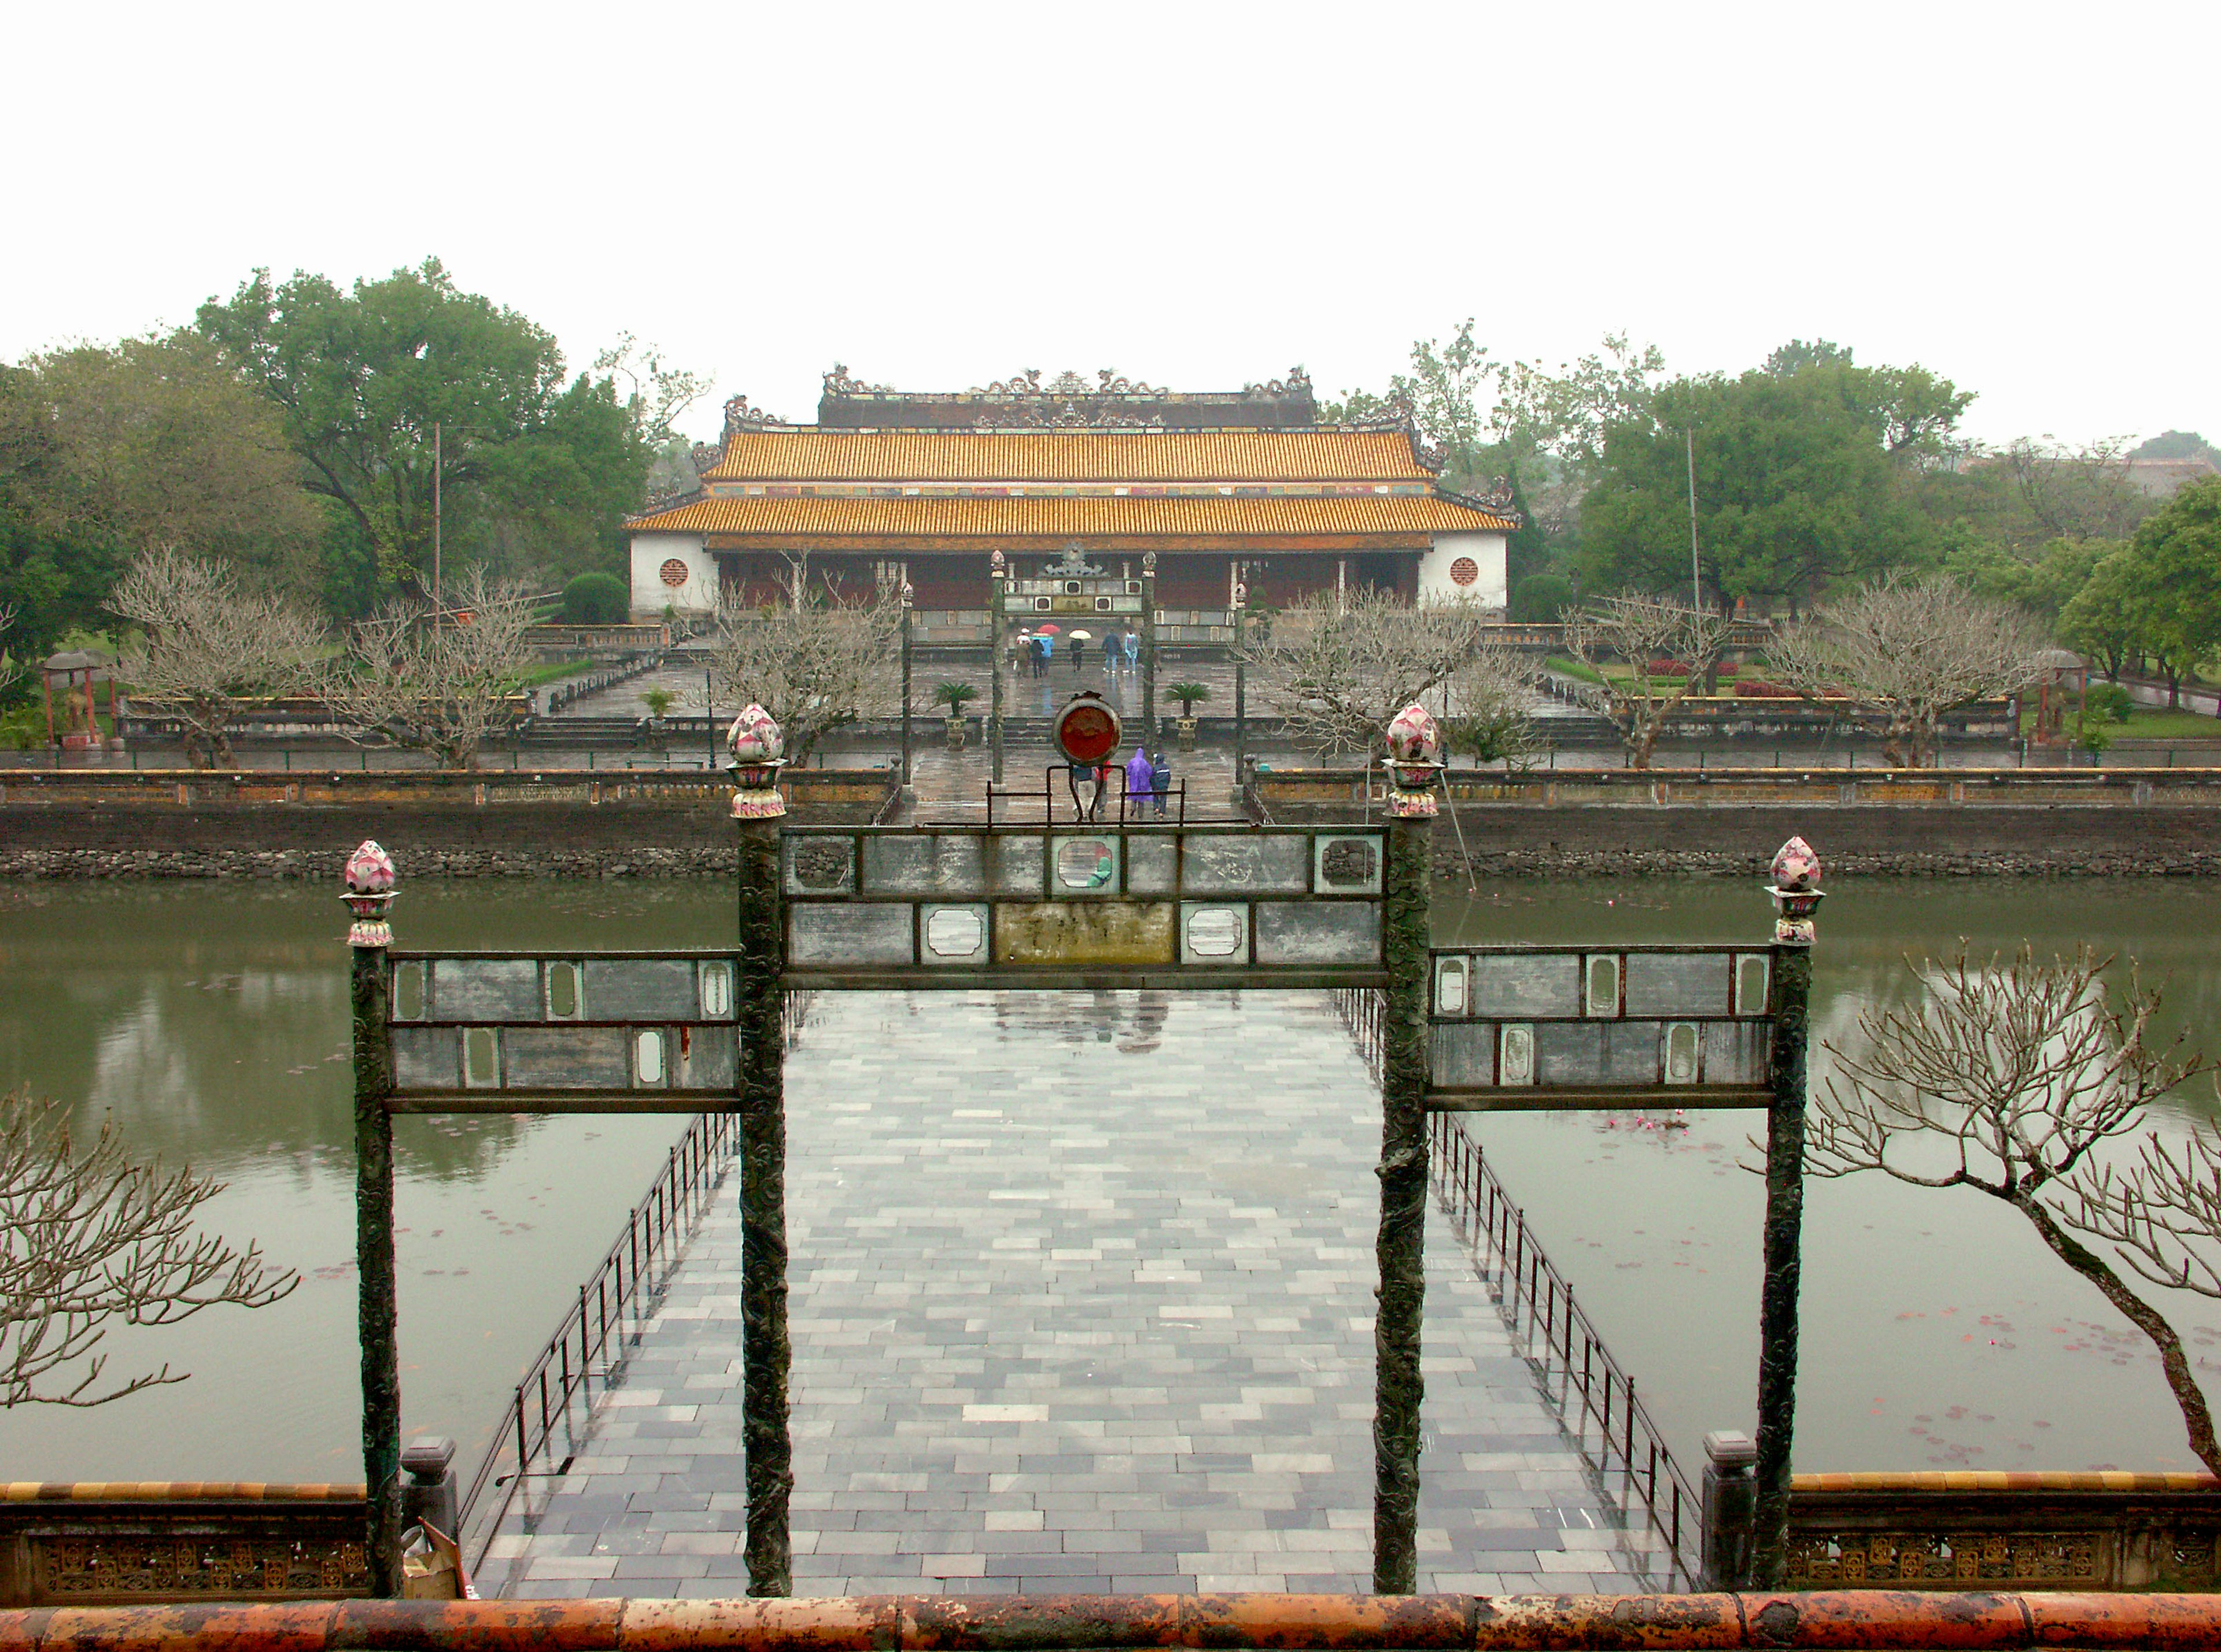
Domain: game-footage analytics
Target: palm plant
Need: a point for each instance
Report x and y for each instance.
(1188, 693)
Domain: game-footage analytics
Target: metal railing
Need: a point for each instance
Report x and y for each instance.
(553, 1399)
(1593, 1395)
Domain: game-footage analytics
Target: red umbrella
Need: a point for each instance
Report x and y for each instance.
(1047, 628)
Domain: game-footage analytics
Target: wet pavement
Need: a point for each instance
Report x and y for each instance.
(1082, 1299)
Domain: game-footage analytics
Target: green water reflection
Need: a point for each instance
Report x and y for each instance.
(209, 1020)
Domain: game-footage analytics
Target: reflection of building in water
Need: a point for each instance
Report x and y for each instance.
(1068, 479)
(1133, 1021)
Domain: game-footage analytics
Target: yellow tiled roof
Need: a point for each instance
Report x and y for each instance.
(1091, 516)
(1020, 456)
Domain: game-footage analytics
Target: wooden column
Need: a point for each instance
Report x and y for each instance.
(1399, 1389)
(369, 888)
(766, 1354)
(995, 576)
(1796, 895)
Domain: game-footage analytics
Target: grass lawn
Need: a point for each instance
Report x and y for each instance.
(554, 671)
(2152, 723)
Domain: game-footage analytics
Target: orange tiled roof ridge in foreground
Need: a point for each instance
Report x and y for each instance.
(1006, 516)
(1324, 453)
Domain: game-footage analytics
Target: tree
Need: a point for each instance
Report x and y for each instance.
(2008, 1080)
(814, 662)
(1540, 599)
(2102, 621)
(1569, 414)
(206, 645)
(1796, 488)
(596, 600)
(1910, 649)
(2072, 493)
(93, 1241)
(11, 670)
(2174, 580)
(156, 443)
(531, 471)
(1338, 671)
(1639, 630)
(437, 681)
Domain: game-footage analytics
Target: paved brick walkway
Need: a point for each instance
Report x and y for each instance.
(1082, 1299)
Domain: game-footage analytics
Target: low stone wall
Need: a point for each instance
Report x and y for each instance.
(85, 824)
(2164, 822)
(94, 1545)
(1994, 1531)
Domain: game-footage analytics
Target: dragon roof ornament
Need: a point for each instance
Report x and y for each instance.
(740, 415)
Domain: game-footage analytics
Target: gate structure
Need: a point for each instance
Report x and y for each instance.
(1059, 906)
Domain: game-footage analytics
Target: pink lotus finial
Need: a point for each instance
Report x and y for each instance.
(1796, 867)
(369, 870)
(1413, 736)
(366, 889)
(755, 738)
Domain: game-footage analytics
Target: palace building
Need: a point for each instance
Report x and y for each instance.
(1235, 488)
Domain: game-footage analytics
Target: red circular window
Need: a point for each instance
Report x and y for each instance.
(674, 572)
(1464, 571)
(1087, 730)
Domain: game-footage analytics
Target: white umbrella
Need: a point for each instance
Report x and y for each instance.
(1080, 636)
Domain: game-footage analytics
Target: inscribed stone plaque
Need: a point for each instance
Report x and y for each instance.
(709, 1058)
(925, 865)
(1214, 932)
(1014, 864)
(1585, 1055)
(1450, 976)
(428, 1058)
(1735, 1051)
(1677, 984)
(1518, 986)
(953, 935)
(1348, 865)
(642, 989)
(1152, 864)
(1276, 863)
(1085, 932)
(565, 1058)
(821, 865)
(1339, 931)
(1464, 1055)
(485, 989)
(832, 935)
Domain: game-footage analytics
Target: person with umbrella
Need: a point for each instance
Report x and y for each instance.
(1078, 639)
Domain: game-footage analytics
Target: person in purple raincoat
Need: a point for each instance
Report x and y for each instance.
(1140, 780)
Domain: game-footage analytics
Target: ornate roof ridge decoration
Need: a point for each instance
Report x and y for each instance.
(705, 454)
(1297, 383)
(739, 417)
(1067, 417)
(672, 500)
(1496, 501)
(839, 382)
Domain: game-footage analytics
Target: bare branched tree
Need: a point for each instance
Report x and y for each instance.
(12, 669)
(1909, 650)
(1639, 630)
(434, 682)
(89, 1241)
(815, 662)
(1339, 668)
(206, 646)
(2008, 1078)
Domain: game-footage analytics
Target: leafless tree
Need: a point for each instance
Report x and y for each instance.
(1339, 668)
(11, 669)
(205, 645)
(89, 1241)
(1638, 630)
(2007, 1079)
(437, 681)
(1910, 650)
(815, 662)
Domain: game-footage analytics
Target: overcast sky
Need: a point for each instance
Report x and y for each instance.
(2019, 197)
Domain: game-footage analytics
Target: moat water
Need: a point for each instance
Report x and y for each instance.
(209, 1022)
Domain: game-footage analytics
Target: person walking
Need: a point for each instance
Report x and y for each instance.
(1141, 782)
(1078, 647)
(1160, 780)
(1045, 646)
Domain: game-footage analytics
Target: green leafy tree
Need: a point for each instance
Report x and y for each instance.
(2103, 621)
(1796, 490)
(1540, 599)
(531, 471)
(2175, 577)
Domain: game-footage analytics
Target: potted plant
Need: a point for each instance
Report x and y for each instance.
(956, 696)
(659, 702)
(1188, 693)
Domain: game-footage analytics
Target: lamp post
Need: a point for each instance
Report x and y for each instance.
(906, 595)
(1149, 648)
(1795, 891)
(995, 572)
